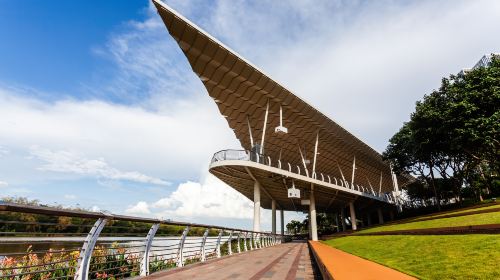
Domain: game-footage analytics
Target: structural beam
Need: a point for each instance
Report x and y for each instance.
(273, 214)
(256, 206)
(282, 212)
(312, 215)
(353, 216)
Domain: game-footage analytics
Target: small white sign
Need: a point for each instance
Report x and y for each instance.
(293, 193)
(305, 202)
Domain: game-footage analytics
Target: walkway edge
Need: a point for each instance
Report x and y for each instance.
(339, 265)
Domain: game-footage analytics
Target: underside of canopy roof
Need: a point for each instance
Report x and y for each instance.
(242, 92)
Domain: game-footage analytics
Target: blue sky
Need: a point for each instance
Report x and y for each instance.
(99, 107)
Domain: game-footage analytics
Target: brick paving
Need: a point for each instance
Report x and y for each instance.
(290, 261)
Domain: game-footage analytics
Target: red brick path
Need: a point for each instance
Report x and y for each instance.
(290, 261)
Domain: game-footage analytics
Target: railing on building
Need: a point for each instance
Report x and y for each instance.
(246, 155)
(50, 243)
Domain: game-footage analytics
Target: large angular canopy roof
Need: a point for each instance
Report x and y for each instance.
(242, 92)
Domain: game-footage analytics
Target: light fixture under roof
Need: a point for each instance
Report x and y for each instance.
(281, 130)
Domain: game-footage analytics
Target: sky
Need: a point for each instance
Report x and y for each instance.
(99, 108)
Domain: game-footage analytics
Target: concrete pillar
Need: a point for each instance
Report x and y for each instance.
(342, 217)
(391, 215)
(353, 216)
(369, 218)
(282, 221)
(312, 210)
(380, 216)
(273, 211)
(337, 221)
(309, 232)
(256, 206)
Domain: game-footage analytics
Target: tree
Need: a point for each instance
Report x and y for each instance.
(452, 138)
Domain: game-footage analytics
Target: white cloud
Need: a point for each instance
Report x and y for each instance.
(3, 184)
(3, 152)
(72, 162)
(211, 198)
(95, 209)
(163, 143)
(70, 196)
(141, 208)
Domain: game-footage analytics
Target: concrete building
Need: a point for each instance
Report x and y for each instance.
(293, 157)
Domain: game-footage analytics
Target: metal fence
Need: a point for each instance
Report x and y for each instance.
(300, 170)
(50, 243)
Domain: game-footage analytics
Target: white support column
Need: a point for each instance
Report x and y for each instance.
(202, 247)
(353, 216)
(264, 129)
(312, 207)
(380, 184)
(180, 250)
(239, 246)
(217, 246)
(256, 206)
(147, 247)
(342, 174)
(282, 221)
(315, 154)
(245, 242)
(82, 269)
(250, 132)
(273, 214)
(353, 171)
(251, 241)
(229, 249)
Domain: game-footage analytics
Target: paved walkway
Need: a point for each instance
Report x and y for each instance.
(290, 261)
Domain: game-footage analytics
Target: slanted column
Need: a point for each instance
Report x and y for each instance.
(256, 206)
(273, 207)
(380, 216)
(369, 219)
(391, 215)
(353, 216)
(312, 217)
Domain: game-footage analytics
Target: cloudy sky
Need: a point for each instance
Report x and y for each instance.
(99, 108)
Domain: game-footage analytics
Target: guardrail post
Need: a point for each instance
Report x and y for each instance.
(229, 249)
(202, 248)
(82, 269)
(180, 254)
(217, 248)
(245, 242)
(251, 241)
(147, 247)
(239, 247)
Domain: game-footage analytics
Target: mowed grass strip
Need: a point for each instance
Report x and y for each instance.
(469, 220)
(494, 206)
(475, 256)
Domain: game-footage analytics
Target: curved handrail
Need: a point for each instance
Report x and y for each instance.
(261, 159)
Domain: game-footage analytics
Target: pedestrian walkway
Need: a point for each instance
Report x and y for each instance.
(340, 265)
(288, 261)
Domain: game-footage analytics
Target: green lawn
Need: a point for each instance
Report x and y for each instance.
(475, 256)
(476, 219)
(495, 206)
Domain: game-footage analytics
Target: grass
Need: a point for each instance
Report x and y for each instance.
(469, 220)
(473, 256)
(495, 206)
